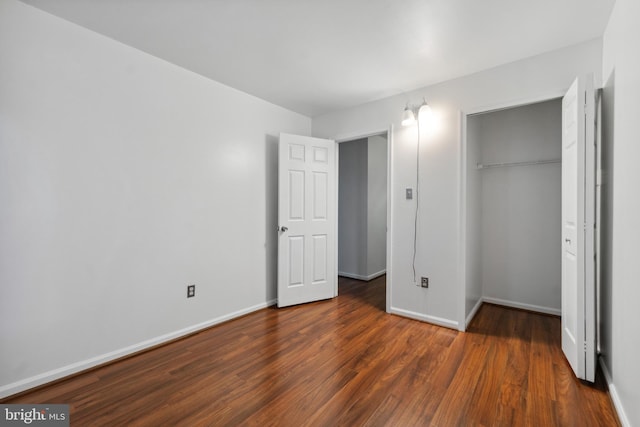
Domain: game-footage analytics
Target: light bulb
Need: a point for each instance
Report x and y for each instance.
(407, 117)
(424, 113)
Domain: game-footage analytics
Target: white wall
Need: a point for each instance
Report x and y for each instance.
(123, 179)
(440, 232)
(362, 212)
(620, 340)
(376, 205)
(521, 206)
(352, 209)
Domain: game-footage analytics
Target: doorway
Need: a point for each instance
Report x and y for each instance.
(362, 209)
(513, 208)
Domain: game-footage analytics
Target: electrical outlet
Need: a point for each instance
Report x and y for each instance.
(424, 282)
(191, 291)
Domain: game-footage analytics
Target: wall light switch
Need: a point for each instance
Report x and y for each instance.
(409, 193)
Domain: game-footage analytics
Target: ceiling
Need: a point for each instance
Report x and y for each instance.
(316, 56)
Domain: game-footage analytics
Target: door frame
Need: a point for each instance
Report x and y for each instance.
(463, 319)
(360, 135)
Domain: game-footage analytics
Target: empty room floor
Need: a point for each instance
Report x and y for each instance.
(343, 362)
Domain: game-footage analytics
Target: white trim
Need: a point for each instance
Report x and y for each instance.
(590, 272)
(65, 371)
(615, 398)
(439, 321)
(361, 277)
(473, 312)
(462, 222)
(352, 136)
(598, 231)
(516, 103)
(521, 305)
(389, 261)
(337, 213)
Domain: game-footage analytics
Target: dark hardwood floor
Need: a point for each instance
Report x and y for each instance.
(343, 362)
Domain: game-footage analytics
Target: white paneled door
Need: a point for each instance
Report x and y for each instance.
(307, 220)
(578, 223)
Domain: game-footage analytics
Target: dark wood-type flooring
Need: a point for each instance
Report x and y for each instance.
(343, 362)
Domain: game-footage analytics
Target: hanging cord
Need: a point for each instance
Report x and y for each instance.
(415, 221)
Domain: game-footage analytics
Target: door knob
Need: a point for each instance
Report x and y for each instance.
(283, 228)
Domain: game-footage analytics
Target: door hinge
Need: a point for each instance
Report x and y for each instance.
(585, 346)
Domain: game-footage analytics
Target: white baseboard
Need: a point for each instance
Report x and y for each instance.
(473, 312)
(56, 374)
(530, 307)
(425, 318)
(613, 392)
(360, 277)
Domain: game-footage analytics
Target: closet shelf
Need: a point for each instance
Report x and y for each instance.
(504, 165)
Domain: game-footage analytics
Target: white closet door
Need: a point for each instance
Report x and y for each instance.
(578, 222)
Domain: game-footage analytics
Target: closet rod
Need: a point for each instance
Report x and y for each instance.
(503, 165)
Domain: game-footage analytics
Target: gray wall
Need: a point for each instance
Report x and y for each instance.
(377, 205)
(519, 207)
(352, 208)
(362, 212)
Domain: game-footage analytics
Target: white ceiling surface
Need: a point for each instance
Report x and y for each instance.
(316, 56)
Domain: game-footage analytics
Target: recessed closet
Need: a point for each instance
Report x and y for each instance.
(513, 207)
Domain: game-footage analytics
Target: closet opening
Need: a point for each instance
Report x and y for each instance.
(513, 208)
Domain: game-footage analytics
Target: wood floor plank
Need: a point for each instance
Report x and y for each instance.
(343, 362)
